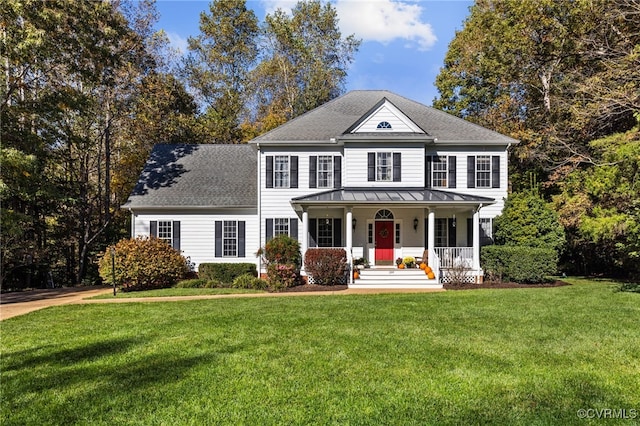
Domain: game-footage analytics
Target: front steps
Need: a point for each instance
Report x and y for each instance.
(394, 278)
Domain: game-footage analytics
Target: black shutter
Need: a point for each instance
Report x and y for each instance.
(397, 167)
(427, 171)
(452, 171)
(241, 238)
(469, 232)
(176, 235)
(153, 228)
(371, 167)
(313, 231)
(268, 231)
(452, 233)
(294, 171)
(313, 171)
(337, 171)
(269, 176)
(218, 239)
(337, 232)
(471, 171)
(495, 171)
(293, 228)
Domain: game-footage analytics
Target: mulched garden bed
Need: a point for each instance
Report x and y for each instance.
(315, 287)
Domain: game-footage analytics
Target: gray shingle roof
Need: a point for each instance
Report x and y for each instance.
(183, 175)
(336, 117)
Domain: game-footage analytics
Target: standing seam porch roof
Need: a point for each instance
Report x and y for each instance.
(358, 196)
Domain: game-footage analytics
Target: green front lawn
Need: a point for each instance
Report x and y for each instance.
(517, 356)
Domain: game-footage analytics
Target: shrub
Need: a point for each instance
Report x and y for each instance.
(225, 272)
(281, 254)
(326, 266)
(193, 283)
(250, 282)
(143, 264)
(519, 264)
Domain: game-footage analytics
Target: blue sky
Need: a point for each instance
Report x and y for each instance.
(403, 42)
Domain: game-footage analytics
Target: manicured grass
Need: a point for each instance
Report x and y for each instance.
(165, 292)
(517, 356)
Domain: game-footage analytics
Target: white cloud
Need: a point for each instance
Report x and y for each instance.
(385, 21)
(271, 6)
(178, 42)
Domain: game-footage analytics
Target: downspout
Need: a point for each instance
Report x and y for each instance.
(133, 223)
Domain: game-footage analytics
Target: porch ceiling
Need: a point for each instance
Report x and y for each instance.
(386, 196)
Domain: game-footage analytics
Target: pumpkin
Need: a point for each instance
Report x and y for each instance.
(356, 275)
(423, 266)
(401, 266)
(431, 275)
(427, 270)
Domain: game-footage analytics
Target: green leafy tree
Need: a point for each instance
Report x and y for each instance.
(304, 63)
(527, 220)
(553, 74)
(221, 57)
(600, 208)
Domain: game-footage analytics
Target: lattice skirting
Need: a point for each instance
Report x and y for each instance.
(343, 280)
(467, 278)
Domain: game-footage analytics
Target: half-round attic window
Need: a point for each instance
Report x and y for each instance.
(384, 125)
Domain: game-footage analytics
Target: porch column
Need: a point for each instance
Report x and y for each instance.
(304, 243)
(349, 241)
(476, 239)
(431, 233)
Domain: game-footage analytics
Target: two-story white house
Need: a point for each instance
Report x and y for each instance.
(371, 171)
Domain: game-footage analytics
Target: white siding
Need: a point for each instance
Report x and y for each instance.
(354, 174)
(197, 232)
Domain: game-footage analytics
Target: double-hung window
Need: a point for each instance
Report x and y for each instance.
(165, 231)
(483, 171)
(281, 171)
(325, 233)
(384, 166)
(442, 235)
(230, 238)
(325, 171)
(439, 171)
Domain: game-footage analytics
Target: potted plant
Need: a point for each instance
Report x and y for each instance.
(409, 262)
(360, 263)
(399, 263)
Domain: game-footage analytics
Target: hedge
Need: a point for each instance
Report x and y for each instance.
(225, 272)
(527, 265)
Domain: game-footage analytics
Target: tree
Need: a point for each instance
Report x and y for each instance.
(221, 57)
(600, 208)
(550, 73)
(72, 73)
(304, 64)
(527, 220)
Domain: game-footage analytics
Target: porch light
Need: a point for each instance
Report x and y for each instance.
(454, 220)
(415, 224)
(353, 223)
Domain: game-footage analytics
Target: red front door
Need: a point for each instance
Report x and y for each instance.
(384, 242)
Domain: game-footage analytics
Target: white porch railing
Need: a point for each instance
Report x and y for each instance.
(455, 257)
(434, 264)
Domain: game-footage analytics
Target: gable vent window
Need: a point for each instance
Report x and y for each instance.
(384, 125)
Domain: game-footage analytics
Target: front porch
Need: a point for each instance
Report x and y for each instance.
(380, 226)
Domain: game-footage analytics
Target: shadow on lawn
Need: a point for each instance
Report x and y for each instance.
(64, 384)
